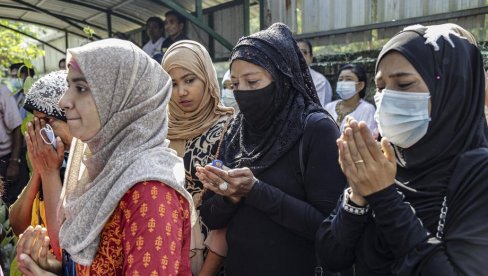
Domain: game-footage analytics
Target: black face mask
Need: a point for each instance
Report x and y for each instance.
(257, 106)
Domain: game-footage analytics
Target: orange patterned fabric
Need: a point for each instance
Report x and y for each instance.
(148, 234)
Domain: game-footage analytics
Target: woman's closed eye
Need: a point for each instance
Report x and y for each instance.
(405, 84)
(189, 80)
(252, 82)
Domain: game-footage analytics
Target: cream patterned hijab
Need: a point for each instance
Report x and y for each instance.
(193, 57)
(131, 92)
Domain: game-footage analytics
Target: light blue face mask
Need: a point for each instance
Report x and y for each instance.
(402, 117)
(229, 100)
(16, 84)
(346, 89)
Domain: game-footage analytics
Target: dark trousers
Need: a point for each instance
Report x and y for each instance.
(12, 189)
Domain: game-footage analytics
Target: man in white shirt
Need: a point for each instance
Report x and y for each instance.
(155, 30)
(322, 85)
(13, 169)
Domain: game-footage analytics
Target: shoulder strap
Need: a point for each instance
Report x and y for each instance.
(300, 146)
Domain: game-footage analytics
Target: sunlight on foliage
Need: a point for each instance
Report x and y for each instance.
(13, 47)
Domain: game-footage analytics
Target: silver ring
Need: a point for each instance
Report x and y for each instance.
(223, 186)
(359, 161)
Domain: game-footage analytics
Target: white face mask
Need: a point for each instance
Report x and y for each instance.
(346, 89)
(49, 133)
(227, 93)
(402, 117)
(228, 99)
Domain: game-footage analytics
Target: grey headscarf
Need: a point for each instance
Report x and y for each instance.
(131, 92)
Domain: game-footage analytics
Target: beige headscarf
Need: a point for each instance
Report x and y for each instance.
(193, 57)
(131, 92)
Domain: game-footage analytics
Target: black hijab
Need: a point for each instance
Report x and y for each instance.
(455, 77)
(294, 97)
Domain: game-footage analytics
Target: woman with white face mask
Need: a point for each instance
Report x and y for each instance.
(351, 88)
(417, 205)
(228, 98)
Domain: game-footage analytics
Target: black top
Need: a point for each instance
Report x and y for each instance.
(450, 161)
(168, 42)
(272, 230)
(394, 241)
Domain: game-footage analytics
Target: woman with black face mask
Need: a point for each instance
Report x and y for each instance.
(283, 175)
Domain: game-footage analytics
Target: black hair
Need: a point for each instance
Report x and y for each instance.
(120, 35)
(62, 60)
(156, 20)
(360, 73)
(23, 69)
(179, 17)
(306, 41)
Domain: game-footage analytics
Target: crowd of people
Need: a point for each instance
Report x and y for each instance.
(142, 163)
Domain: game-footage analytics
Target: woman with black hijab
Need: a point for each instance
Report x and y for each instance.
(418, 207)
(284, 178)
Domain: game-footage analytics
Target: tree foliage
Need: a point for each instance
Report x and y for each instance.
(13, 46)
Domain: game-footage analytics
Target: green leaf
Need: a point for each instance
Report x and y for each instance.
(27, 84)
(88, 31)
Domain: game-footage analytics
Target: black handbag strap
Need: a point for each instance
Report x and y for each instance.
(300, 147)
(319, 270)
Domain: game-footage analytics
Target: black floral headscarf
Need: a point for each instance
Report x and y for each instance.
(295, 97)
(45, 93)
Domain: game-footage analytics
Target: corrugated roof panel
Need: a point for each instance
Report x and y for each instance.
(143, 10)
(67, 9)
(15, 13)
(48, 20)
(118, 24)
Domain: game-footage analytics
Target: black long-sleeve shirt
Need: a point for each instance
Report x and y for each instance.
(272, 230)
(391, 239)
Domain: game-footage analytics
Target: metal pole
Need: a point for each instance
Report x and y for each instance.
(247, 27)
(262, 18)
(198, 8)
(109, 23)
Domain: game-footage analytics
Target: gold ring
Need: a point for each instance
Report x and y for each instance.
(359, 161)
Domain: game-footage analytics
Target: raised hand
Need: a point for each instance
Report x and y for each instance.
(367, 167)
(43, 157)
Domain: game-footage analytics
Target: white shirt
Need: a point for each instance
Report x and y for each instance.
(364, 112)
(10, 120)
(153, 48)
(322, 85)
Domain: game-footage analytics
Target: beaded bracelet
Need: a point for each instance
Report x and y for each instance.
(348, 207)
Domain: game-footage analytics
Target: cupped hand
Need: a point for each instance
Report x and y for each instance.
(30, 268)
(33, 252)
(367, 167)
(44, 158)
(239, 181)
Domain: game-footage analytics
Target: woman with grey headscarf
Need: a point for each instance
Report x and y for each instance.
(123, 207)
